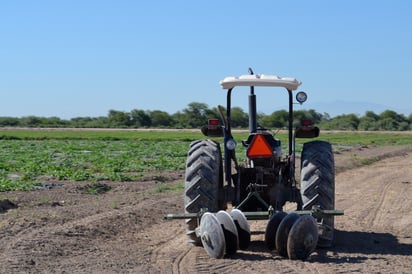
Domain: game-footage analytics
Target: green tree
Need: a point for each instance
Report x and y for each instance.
(98, 122)
(161, 119)
(368, 123)
(179, 119)
(301, 115)
(239, 118)
(9, 122)
(54, 122)
(390, 120)
(30, 121)
(388, 124)
(140, 118)
(195, 115)
(80, 122)
(404, 126)
(389, 114)
(278, 119)
(119, 119)
(372, 115)
(343, 122)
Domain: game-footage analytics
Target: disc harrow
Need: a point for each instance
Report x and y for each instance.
(293, 235)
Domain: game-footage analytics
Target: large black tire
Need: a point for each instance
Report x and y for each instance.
(203, 182)
(318, 184)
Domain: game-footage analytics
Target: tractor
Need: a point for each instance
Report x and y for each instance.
(221, 193)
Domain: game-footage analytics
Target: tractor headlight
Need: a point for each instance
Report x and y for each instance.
(231, 144)
(301, 97)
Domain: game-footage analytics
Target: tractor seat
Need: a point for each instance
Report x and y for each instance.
(247, 142)
(269, 138)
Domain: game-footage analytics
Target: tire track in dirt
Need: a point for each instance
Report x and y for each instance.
(393, 199)
(384, 198)
(288, 266)
(168, 250)
(174, 254)
(253, 260)
(375, 232)
(178, 266)
(200, 262)
(372, 196)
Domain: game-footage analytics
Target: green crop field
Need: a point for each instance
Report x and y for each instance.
(33, 157)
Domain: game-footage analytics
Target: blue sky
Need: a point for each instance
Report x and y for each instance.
(83, 58)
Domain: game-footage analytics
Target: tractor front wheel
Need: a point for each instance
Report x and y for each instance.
(203, 182)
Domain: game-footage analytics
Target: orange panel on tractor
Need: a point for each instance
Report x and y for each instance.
(259, 147)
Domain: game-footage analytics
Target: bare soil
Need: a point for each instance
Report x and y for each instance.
(64, 229)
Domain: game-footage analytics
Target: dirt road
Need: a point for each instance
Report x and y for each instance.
(65, 230)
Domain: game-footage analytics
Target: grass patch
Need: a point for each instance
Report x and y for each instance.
(367, 138)
(356, 161)
(372, 160)
(104, 135)
(165, 187)
(12, 184)
(24, 163)
(95, 189)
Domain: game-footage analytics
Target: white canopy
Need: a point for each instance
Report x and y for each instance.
(260, 80)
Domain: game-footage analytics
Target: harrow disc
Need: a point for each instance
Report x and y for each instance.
(282, 233)
(211, 235)
(229, 230)
(242, 226)
(303, 237)
(272, 227)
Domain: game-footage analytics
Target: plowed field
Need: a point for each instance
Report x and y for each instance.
(66, 230)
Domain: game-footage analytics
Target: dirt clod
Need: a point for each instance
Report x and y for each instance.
(6, 205)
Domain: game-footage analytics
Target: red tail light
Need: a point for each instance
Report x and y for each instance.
(307, 123)
(213, 122)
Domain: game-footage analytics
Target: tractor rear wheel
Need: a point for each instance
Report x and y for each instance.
(203, 182)
(318, 184)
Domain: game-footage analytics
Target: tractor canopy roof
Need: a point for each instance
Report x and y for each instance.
(260, 80)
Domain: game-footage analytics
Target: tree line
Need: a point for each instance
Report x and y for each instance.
(196, 114)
